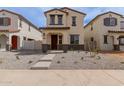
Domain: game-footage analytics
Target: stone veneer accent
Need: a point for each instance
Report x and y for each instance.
(71, 47)
(116, 47)
(46, 47)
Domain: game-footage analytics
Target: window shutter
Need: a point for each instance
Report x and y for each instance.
(107, 21)
(122, 25)
(115, 21)
(1, 21)
(9, 21)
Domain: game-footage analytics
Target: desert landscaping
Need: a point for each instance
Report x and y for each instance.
(62, 61)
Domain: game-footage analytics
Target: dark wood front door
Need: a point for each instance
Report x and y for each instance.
(54, 42)
(14, 42)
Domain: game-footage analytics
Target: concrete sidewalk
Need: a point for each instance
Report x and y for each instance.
(62, 77)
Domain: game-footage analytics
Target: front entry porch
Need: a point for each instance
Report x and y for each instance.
(118, 40)
(8, 42)
(3, 42)
(54, 40)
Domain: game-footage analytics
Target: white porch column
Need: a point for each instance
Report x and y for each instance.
(45, 38)
(116, 40)
(10, 40)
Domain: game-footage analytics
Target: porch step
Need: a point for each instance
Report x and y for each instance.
(55, 51)
(41, 65)
(44, 62)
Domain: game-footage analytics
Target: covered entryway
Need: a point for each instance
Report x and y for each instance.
(3, 42)
(14, 42)
(54, 42)
(118, 37)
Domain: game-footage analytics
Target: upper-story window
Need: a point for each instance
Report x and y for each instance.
(73, 20)
(110, 21)
(122, 25)
(60, 19)
(5, 21)
(52, 19)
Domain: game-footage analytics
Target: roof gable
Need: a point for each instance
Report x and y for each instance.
(21, 17)
(73, 10)
(102, 15)
(55, 10)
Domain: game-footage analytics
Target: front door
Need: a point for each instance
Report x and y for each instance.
(14, 42)
(54, 42)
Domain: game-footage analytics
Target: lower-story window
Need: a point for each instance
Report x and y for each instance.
(121, 41)
(74, 39)
(105, 39)
(60, 39)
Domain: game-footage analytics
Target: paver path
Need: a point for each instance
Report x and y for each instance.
(48, 57)
(44, 62)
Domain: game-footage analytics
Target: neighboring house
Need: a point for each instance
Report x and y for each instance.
(14, 29)
(64, 28)
(105, 32)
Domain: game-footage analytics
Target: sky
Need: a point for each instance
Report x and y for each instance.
(36, 14)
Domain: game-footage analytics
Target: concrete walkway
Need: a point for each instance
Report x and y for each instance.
(48, 57)
(44, 62)
(62, 77)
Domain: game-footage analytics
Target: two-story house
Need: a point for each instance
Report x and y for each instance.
(64, 28)
(105, 32)
(14, 28)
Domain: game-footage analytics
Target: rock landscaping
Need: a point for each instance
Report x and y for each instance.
(72, 60)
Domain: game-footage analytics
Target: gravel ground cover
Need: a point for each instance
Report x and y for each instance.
(19, 60)
(72, 60)
(86, 60)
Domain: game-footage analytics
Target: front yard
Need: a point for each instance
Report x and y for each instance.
(66, 61)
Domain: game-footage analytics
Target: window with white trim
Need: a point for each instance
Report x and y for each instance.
(74, 39)
(5, 21)
(122, 25)
(110, 21)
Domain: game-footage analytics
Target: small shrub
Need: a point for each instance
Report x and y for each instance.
(17, 57)
(94, 62)
(58, 62)
(30, 62)
(82, 58)
(122, 62)
(63, 57)
(98, 57)
(75, 62)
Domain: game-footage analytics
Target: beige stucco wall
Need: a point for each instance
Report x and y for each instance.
(23, 31)
(67, 22)
(14, 21)
(56, 12)
(79, 28)
(99, 30)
